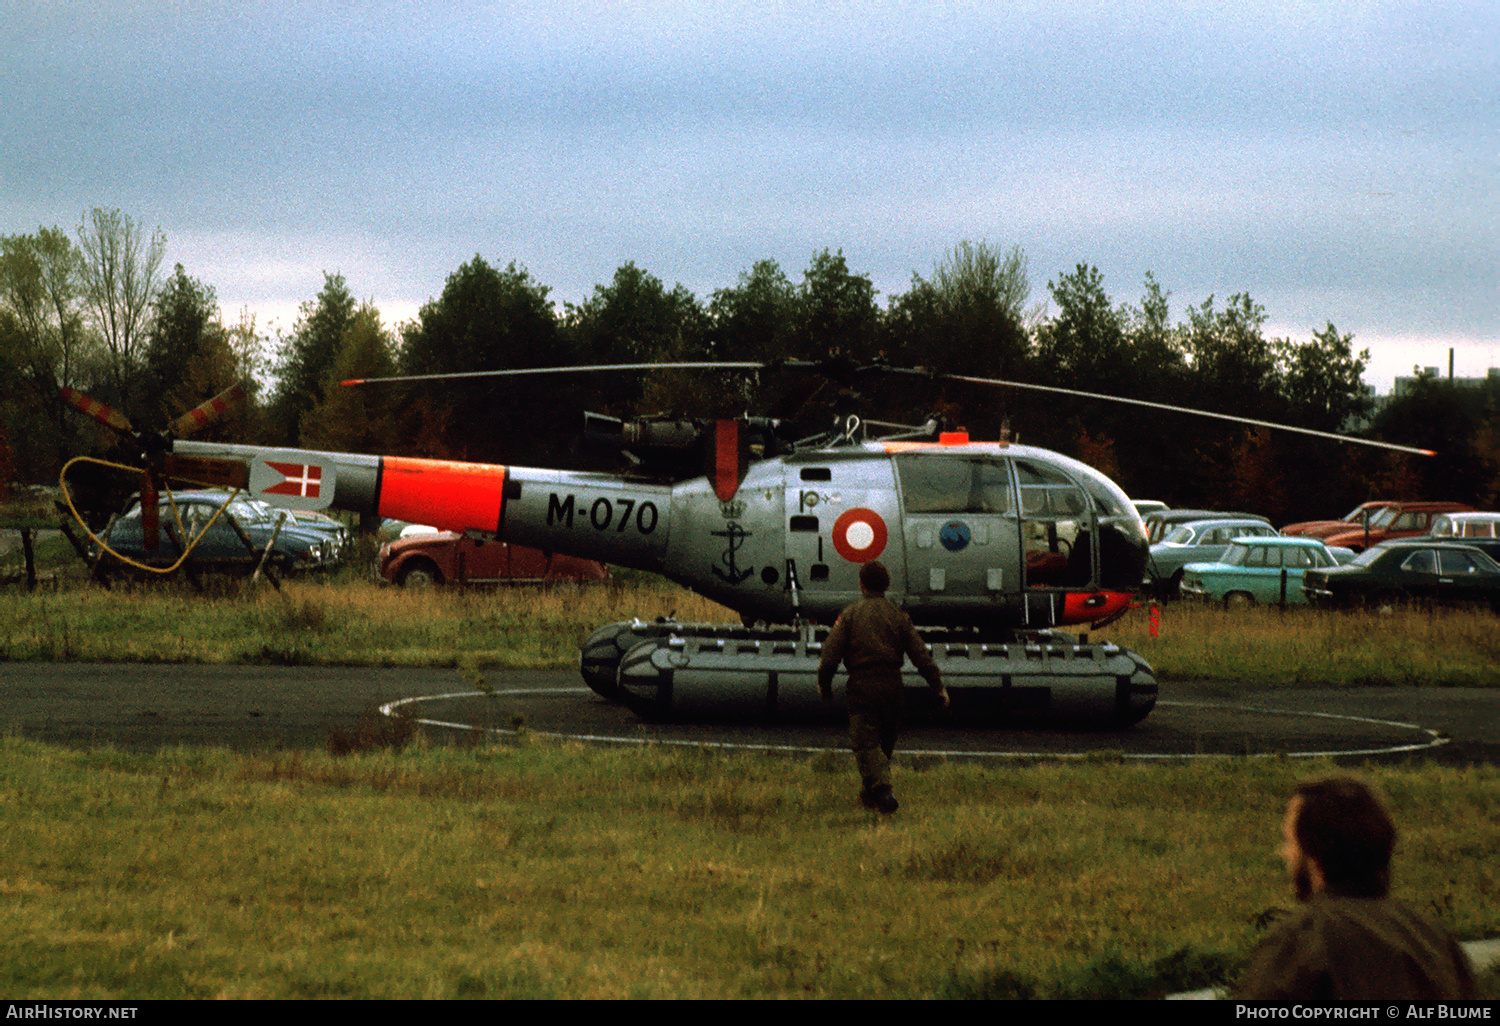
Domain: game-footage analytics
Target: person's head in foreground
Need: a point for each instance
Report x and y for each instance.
(1337, 838)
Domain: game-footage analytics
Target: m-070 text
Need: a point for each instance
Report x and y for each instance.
(602, 513)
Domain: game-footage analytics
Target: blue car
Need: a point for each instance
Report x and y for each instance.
(1197, 541)
(1252, 569)
(220, 547)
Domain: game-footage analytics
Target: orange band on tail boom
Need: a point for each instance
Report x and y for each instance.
(447, 495)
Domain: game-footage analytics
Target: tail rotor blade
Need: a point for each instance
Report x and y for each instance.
(206, 413)
(106, 415)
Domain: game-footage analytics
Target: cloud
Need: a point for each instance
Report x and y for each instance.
(1335, 161)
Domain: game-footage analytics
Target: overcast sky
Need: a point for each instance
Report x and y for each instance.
(1339, 162)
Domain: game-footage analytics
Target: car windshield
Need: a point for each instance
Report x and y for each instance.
(1368, 557)
(1484, 561)
(1180, 536)
(1355, 515)
(1383, 518)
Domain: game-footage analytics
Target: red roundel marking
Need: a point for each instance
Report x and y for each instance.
(859, 535)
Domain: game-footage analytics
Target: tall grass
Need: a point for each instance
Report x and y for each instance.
(326, 623)
(358, 623)
(1438, 647)
(555, 870)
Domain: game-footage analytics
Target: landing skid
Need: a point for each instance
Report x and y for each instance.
(664, 668)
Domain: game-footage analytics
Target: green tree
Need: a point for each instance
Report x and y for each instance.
(307, 355)
(119, 274)
(836, 311)
(41, 290)
(1322, 381)
(247, 348)
(1085, 343)
(44, 344)
(969, 318)
(187, 356)
(1455, 421)
(484, 320)
(633, 319)
(360, 419)
(754, 320)
(1234, 366)
(487, 319)
(1091, 345)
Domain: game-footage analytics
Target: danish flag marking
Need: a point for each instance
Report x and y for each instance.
(302, 479)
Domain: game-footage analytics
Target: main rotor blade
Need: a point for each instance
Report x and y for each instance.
(206, 413)
(590, 369)
(106, 415)
(1198, 413)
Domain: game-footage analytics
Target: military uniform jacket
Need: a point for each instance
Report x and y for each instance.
(873, 638)
(1356, 949)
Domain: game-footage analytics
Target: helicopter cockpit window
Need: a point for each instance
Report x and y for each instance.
(946, 484)
(1047, 494)
(1055, 527)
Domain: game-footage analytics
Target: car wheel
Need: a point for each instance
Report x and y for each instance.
(420, 573)
(1238, 600)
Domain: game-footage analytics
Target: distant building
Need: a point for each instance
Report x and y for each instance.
(1406, 384)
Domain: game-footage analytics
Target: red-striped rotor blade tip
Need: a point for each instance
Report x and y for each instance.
(206, 413)
(105, 415)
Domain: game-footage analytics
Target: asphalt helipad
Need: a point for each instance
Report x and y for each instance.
(142, 707)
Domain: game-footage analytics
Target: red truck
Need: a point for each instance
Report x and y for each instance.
(423, 560)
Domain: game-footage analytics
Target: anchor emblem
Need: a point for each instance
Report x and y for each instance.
(736, 535)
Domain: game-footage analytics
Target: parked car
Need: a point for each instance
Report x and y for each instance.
(1267, 571)
(310, 520)
(1378, 520)
(1394, 520)
(445, 557)
(1424, 570)
(1198, 541)
(1160, 523)
(295, 550)
(1323, 528)
(1465, 525)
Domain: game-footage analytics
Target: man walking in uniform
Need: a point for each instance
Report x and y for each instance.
(873, 638)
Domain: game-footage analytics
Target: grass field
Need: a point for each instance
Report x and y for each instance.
(541, 869)
(354, 622)
(557, 870)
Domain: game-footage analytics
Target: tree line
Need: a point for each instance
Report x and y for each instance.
(95, 311)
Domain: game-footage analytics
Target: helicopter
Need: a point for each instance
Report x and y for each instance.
(992, 546)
